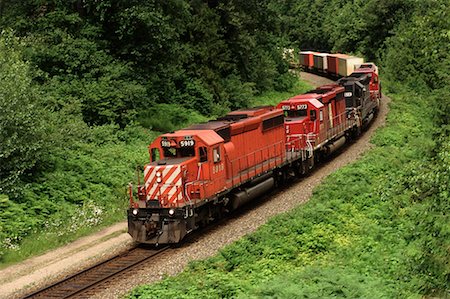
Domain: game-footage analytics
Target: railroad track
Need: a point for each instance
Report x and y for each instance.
(80, 284)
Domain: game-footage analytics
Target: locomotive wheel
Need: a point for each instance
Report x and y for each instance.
(281, 177)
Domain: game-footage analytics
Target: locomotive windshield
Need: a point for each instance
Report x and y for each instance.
(173, 152)
(295, 113)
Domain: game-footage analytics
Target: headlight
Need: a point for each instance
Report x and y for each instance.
(171, 212)
(158, 174)
(158, 179)
(135, 212)
(348, 94)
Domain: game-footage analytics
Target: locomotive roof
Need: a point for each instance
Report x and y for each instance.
(232, 117)
(360, 75)
(211, 125)
(367, 67)
(228, 125)
(310, 97)
(248, 112)
(321, 90)
(356, 77)
(209, 137)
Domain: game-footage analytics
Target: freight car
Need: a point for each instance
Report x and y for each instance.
(198, 173)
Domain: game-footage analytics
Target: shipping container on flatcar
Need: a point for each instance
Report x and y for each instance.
(333, 63)
(320, 62)
(307, 59)
(347, 65)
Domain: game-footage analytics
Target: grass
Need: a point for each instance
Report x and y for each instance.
(40, 243)
(366, 232)
(275, 97)
(86, 191)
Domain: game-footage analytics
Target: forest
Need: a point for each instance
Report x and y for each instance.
(85, 85)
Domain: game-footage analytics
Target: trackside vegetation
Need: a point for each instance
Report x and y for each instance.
(377, 228)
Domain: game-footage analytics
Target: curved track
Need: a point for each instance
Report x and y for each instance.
(148, 269)
(82, 284)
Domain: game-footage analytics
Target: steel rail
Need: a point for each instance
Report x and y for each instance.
(78, 283)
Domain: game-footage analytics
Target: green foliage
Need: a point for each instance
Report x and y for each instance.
(321, 282)
(22, 118)
(83, 186)
(205, 56)
(99, 83)
(375, 229)
(418, 54)
(169, 117)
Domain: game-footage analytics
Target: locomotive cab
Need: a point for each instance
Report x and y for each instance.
(358, 99)
(371, 70)
(174, 181)
(356, 90)
(304, 118)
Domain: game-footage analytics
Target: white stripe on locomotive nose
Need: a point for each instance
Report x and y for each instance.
(166, 171)
(172, 177)
(170, 181)
(152, 176)
(168, 184)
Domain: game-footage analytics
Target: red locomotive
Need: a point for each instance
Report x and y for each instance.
(198, 173)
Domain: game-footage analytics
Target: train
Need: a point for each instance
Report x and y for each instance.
(197, 174)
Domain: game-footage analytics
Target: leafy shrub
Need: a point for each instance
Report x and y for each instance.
(82, 187)
(322, 282)
(168, 117)
(22, 117)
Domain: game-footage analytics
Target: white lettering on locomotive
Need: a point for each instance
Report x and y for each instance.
(185, 143)
(165, 143)
(218, 167)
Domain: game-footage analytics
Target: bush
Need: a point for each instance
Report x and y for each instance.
(168, 117)
(22, 118)
(322, 282)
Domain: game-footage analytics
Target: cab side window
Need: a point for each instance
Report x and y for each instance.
(216, 154)
(203, 153)
(155, 154)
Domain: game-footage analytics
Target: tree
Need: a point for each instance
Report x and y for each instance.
(22, 121)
